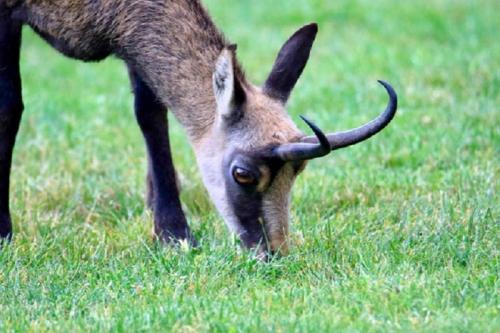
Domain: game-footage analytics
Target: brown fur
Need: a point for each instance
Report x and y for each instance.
(172, 44)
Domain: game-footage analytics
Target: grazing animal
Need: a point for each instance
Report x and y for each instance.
(248, 149)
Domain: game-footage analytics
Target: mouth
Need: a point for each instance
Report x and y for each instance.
(266, 241)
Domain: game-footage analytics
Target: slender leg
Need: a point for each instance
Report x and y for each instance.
(11, 107)
(163, 195)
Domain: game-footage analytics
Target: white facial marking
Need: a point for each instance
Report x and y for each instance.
(210, 164)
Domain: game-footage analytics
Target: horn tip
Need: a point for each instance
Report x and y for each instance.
(304, 118)
(390, 90)
(309, 123)
(313, 26)
(319, 134)
(385, 84)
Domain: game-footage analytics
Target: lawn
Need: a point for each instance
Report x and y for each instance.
(400, 233)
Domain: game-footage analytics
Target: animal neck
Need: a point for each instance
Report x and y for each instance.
(174, 46)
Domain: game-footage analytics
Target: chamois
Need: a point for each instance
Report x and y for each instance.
(248, 149)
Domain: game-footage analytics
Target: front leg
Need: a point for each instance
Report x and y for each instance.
(163, 195)
(11, 107)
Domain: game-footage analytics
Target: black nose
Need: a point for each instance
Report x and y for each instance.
(257, 244)
(252, 239)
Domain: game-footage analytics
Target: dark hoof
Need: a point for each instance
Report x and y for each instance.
(5, 229)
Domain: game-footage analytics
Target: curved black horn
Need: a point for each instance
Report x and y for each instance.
(301, 151)
(347, 138)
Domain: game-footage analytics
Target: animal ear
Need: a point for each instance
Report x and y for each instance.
(228, 91)
(290, 63)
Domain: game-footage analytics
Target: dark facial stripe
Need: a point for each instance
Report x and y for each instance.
(247, 207)
(245, 201)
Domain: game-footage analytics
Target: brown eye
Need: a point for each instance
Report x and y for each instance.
(244, 177)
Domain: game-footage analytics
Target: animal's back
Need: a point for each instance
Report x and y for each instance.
(75, 28)
(92, 29)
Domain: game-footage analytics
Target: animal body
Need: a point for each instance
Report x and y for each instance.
(248, 149)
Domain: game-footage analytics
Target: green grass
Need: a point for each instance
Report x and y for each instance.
(396, 234)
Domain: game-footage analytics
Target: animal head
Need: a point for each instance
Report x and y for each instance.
(254, 151)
